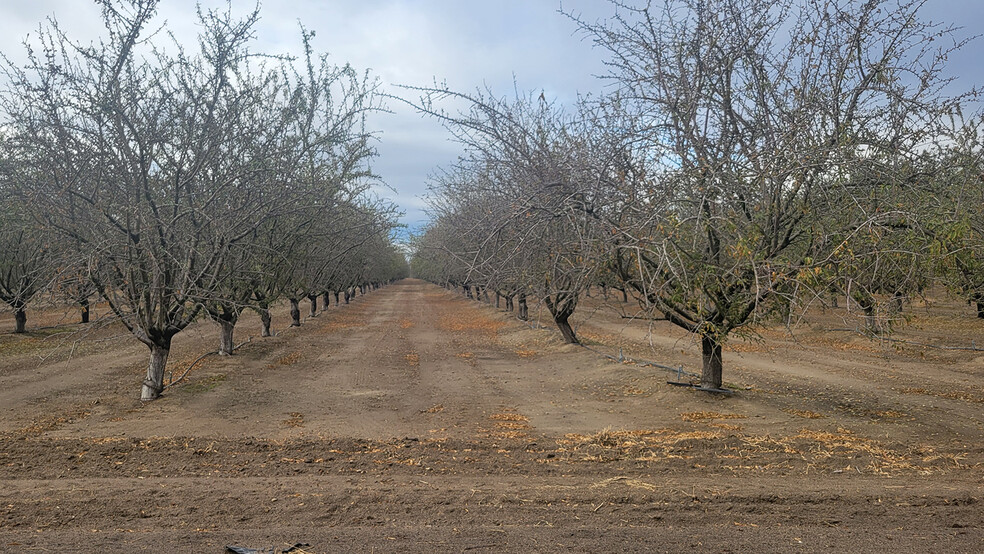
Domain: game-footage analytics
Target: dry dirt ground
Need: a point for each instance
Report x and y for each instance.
(414, 420)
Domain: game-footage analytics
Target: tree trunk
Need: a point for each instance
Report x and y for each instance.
(266, 319)
(295, 313)
(978, 300)
(337, 293)
(899, 301)
(625, 296)
(153, 385)
(348, 296)
(565, 328)
(84, 303)
(523, 310)
(20, 319)
(485, 295)
(833, 301)
(711, 375)
(867, 304)
(509, 303)
(324, 301)
(561, 310)
(313, 298)
(225, 337)
(498, 299)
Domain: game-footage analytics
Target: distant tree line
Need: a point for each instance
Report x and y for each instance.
(176, 183)
(751, 158)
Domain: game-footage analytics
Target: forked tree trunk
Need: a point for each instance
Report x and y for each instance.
(153, 385)
(226, 329)
(561, 312)
(266, 319)
(523, 310)
(313, 298)
(20, 319)
(711, 374)
(84, 303)
(295, 313)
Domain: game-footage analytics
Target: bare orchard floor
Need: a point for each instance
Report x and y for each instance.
(413, 420)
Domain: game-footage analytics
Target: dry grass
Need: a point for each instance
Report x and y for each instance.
(15, 345)
(205, 384)
(287, 359)
(470, 320)
(526, 353)
(509, 425)
(465, 355)
(951, 395)
(413, 359)
(52, 422)
(708, 416)
(508, 417)
(296, 419)
(809, 450)
(807, 414)
(405, 323)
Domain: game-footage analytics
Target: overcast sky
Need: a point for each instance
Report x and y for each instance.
(413, 42)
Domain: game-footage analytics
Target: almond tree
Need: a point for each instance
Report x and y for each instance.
(752, 117)
(955, 214)
(26, 261)
(160, 162)
(517, 199)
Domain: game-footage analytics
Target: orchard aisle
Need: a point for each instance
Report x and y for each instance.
(413, 420)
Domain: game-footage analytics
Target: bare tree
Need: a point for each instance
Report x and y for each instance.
(750, 120)
(26, 258)
(161, 163)
(517, 203)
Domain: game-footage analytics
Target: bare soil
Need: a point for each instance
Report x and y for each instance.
(413, 420)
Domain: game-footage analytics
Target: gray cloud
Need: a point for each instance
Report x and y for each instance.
(414, 42)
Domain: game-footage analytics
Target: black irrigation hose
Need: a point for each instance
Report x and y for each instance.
(200, 358)
(972, 348)
(644, 363)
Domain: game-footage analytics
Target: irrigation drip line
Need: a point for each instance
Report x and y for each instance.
(200, 358)
(972, 348)
(644, 363)
(620, 359)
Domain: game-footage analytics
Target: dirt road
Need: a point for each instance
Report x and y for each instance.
(413, 420)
